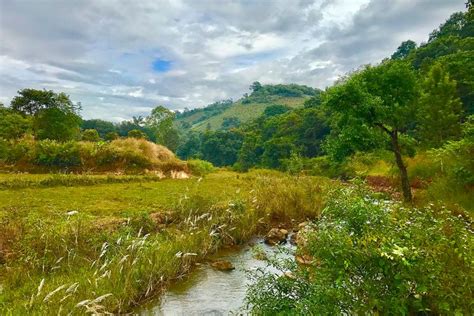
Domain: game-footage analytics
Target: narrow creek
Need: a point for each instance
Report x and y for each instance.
(207, 291)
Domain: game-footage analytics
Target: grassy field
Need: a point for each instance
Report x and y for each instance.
(105, 243)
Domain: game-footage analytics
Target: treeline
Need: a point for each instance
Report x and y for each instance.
(416, 100)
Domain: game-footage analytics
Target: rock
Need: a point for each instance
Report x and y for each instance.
(222, 265)
(304, 259)
(276, 236)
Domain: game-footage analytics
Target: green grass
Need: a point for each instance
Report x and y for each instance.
(244, 112)
(105, 246)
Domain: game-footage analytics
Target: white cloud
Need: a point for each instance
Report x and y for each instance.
(101, 51)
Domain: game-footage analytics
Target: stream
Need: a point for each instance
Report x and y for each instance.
(207, 291)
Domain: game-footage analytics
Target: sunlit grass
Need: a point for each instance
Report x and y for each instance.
(101, 247)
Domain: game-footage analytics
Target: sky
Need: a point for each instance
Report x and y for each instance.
(122, 58)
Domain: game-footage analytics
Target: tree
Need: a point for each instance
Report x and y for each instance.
(191, 147)
(230, 122)
(111, 136)
(32, 101)
(440, 108)
(256, 86)
(379, 99)
(275, 109)
(404, 49)
(136, 133)
(12, 124)
(56, 124)
(161, 122)
(55, 116)
(90, 135)
(101, 126)
(221, 147)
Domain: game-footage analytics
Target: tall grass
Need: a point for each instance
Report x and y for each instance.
(75, 263)
(121, 155)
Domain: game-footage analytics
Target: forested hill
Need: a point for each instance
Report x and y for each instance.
(227, 114)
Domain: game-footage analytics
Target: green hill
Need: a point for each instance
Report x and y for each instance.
(245, 109)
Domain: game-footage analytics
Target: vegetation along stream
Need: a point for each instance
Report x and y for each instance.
(209, 291)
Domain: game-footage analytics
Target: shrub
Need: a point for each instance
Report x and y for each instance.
(90, 135)
(128, 154)
(200, 167)
(135, 133)
(374, 257)
(51, 153)
(111, 136)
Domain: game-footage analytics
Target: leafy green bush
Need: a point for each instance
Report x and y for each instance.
(90, 135)
(51, 153)
(374, 257)
(324, 166)
(200, 167)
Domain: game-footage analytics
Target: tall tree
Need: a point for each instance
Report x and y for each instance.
(55, 116)
(380, 99)
(161, 122)
(440, 108)
(404, 49)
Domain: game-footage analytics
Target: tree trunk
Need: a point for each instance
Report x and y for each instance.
(401, 166)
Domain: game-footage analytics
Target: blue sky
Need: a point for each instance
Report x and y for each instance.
(160, 65)
(122, 58)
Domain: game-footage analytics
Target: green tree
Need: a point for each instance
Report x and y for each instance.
(161, 122)
(221, 147)
(440, 108)
(230, 122)
(256, 86)
(32, 101)
(90, 135)
(12, 124)
(111, 136)
(275, 109)
(404, 49)
(55, 116)
(380, 99)
(190, 147)
(136, 133)
(56, 124)
(101, 126)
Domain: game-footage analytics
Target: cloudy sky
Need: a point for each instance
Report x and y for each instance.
(121, 58)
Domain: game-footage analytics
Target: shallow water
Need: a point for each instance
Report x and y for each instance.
(207, 291)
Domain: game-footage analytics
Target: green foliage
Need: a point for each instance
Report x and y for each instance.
(276, 109)
(439, 108)
(375, 99)
(191, 146)
(161, 122)
(131, 155)
(90, 135)
(404, 49)
(13, 125)
(101, 126)
(111, 136)
(138, 134)
(372, 256)
(56, 124)
(31, 102)
(200, 167)
(221, 147)
(230, 122)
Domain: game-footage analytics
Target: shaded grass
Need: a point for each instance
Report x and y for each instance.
(102, 248)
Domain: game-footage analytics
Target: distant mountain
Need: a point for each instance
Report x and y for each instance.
(225, 114)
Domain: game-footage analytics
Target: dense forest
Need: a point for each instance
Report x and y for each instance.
(379, 167)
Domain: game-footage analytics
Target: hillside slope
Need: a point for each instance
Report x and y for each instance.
(247, 108)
